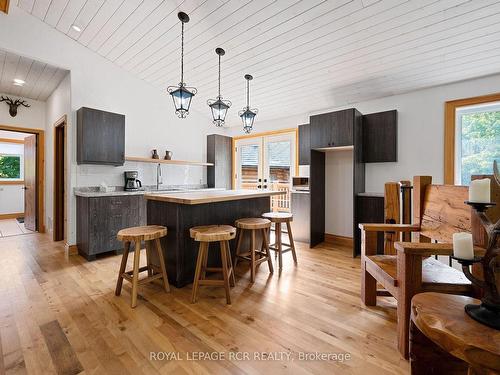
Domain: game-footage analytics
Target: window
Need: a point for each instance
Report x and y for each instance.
(477, 140)
(471, 137)
(10, 167)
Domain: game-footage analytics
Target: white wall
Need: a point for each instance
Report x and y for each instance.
(96, 82)
(420, 132)
(338, 192)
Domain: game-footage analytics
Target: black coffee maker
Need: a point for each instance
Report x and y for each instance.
(131, 181)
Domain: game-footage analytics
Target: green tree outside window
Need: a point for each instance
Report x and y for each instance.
(480, 143)
(10, 166)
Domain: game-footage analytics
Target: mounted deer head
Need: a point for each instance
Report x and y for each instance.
(13, 104)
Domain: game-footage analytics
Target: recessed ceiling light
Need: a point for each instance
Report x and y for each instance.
(76, 28)
(18, 82)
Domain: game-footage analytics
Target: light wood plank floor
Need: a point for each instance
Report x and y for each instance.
(61, 316)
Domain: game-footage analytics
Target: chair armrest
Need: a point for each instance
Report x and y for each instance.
(428, 249)
(389, 227)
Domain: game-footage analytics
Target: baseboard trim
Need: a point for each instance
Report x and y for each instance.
(339, 240)
(11, 216)
(70, 250)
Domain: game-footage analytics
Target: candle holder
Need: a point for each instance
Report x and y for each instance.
(488, 312)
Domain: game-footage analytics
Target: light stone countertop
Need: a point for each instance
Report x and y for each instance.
(93, 192)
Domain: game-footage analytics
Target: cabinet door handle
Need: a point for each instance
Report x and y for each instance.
(259, 186)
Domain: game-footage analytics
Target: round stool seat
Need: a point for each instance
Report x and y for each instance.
(278, 217)
(144, 233)
(253, 223)
(212, 233)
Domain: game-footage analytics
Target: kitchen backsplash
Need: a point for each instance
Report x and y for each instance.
(94, 175)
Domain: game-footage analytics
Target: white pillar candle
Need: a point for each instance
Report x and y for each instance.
(479, 191)
(462, 246)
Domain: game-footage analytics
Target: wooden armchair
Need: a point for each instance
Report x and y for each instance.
(438, 212)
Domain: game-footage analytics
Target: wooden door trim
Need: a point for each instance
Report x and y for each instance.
(449, 130)
(40, 152)
(10, 140)
(4, 6)
(62, 122)
(258, 135)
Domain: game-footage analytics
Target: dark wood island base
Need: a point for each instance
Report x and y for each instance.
(178, 216)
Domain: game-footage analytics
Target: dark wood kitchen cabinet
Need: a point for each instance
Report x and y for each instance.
(100, 137)
(304, 144)
(380, 137)
(334, 129)
(100, 218)
(369, 209)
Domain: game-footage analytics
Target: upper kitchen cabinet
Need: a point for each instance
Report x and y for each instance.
(380, 137)
(100, 137)
(334, 129)
(304, 144)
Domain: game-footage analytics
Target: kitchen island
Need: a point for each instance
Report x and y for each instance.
(179, 211)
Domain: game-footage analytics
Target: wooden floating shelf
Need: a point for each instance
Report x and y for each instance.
(163, 161)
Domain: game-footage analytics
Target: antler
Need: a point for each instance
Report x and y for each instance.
(6, 99)
(21, 102)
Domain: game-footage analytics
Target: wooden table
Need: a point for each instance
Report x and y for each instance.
(444, 340)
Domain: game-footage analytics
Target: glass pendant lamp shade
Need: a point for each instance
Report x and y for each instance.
(218, 106)
(247, 115)
(219, 109)
(182, 95)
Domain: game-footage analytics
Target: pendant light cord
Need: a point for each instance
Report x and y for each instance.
(182, 53)
(248, 94)
(219, 76)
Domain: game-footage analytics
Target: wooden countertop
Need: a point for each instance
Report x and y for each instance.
(210, 196)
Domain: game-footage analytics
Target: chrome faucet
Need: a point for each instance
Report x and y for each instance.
(158, 176)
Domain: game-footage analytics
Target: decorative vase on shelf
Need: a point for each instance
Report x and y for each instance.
(154, 154)
(168, 155)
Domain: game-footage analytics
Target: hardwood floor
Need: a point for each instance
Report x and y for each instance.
(61, 316)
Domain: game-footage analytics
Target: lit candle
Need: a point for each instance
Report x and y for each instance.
(479, 191)
(462, 246)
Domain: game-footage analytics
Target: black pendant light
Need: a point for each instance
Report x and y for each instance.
(218, 106)
(248, 115)
(181, 94)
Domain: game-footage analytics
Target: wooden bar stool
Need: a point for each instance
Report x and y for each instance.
(253, 225)
(204, 235)
(151, 234)
(277, 218)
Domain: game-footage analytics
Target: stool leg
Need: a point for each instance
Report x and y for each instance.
(197, 273)
(230, 264)
(225, 273)
(204, 262)
(268, 252)
(162, 265)
(135, 275)
(119, 282)
(239, 234)
(252, 256)
(279, 245)
(292, 243)
(148, 257)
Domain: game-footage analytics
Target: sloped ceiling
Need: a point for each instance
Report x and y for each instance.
(305, 55)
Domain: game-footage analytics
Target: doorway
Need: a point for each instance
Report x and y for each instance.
(267, 161)
(21, 180)
(59, 232)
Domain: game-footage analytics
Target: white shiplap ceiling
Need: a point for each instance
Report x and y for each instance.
(40, 79)
(305, 55)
